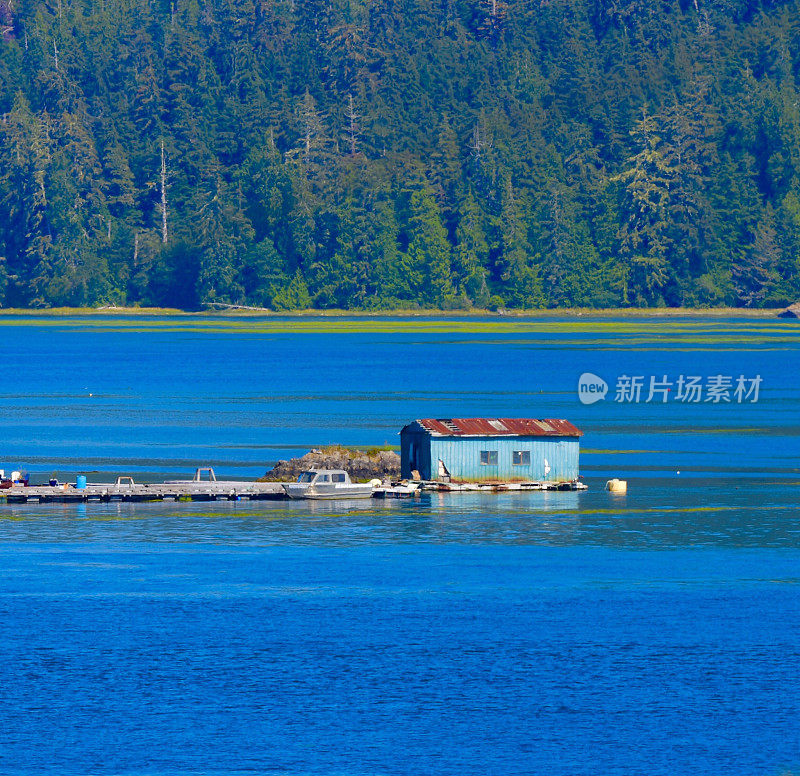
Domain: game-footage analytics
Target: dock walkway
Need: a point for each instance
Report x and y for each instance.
(219, 491)
(206, 487)
(125, 489)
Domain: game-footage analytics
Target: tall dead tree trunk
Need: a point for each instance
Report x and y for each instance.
(352, 131)
(163, 195)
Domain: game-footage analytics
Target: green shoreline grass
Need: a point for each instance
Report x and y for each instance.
(618, 312)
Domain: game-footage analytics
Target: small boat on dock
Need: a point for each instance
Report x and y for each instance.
(326, 484)
(408, 490)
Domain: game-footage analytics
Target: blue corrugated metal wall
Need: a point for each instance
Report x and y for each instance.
(462, 457)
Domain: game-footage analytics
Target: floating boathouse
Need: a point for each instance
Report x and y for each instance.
(490, 449)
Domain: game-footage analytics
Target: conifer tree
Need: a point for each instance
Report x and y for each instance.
(471, 254)
(429, 250)
(643, 234)
(522, 285)
(755, 274)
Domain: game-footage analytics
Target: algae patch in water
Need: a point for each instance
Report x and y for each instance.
(603, 326)
(639, 334)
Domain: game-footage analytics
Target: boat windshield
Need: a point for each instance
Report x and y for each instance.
(306, 477)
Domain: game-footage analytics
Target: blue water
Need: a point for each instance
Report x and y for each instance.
(539, 633)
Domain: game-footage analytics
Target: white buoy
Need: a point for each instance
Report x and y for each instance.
(617, 486)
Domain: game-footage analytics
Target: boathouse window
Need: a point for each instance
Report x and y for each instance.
(324, 478)
(488, 457)
(521, 458)
(306, 477)
(337, 477)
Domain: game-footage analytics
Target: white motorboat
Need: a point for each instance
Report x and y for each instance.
(327, 484)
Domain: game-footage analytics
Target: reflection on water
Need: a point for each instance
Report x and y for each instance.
(656, 513)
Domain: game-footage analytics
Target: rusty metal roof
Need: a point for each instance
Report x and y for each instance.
(499, 427)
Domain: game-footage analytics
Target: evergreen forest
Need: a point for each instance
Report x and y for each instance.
(387, 154)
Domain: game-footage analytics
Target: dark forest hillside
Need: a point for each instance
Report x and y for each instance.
(399, 153)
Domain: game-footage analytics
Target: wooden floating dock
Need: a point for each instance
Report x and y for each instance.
(125, 489)
(212, 489)
(499, 487)
(46, 494)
